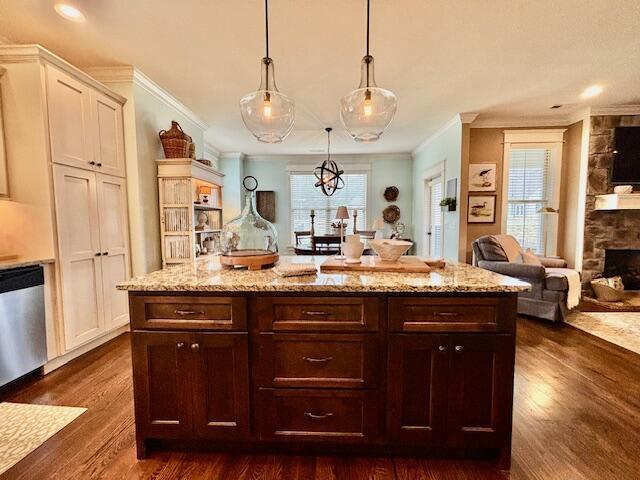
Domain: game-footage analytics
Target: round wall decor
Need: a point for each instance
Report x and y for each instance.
(391, 194)
(391, 214)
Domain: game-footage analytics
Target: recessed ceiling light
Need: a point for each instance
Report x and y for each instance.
(69, 12)
(592, 91)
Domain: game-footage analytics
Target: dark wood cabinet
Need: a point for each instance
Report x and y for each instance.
(220, 385)
(383, 372)
(190, 385)
(480, 386)
(450, 390)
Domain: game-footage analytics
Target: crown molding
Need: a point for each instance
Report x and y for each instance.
(345, 158)
(516, 122)
(131, 74)
(232, 156)
(37, 53)
(468, 117)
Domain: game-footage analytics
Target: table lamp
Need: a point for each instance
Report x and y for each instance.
(342, 214)
(378, 224)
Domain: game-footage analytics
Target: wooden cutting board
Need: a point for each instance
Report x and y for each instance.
(374, 264)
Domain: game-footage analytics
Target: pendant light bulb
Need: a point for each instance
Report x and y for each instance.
(368, 110)
(268, 114)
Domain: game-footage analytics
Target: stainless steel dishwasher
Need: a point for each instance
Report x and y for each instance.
(23, 344)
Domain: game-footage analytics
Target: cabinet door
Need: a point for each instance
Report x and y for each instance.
(480, 390)
(161, 379)
(114, 248)
(417, 388)
(108, 137)
(69, 105)
(79, 245)
(221, 385)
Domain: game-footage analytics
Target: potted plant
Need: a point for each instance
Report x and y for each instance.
(449, 202)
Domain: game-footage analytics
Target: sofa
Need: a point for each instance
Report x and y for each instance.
(547, 298)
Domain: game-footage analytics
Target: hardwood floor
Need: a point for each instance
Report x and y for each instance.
(576, 416)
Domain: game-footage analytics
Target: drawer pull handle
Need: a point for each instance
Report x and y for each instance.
(445, 314)
(313, 416)
(317, 360)
(195, 346)
(313, 313)
(459, 348)
(180, 345)
(442, 348)
(187, 312)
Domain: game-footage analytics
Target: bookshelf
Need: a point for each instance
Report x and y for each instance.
(180, 181)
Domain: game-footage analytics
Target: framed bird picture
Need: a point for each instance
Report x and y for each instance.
(482, 177)
(482, 209)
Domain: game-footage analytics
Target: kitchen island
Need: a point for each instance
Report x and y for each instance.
(362, 363)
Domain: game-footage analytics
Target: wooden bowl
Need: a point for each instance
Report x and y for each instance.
(390, 250)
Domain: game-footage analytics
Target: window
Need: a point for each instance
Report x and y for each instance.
(305, 196)
(529, 190)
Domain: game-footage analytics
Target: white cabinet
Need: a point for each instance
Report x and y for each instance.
(69, 104)
(94, 254)
(85, 126)
(108, 137)
(114, 244)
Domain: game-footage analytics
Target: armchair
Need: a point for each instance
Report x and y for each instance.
(548, 296)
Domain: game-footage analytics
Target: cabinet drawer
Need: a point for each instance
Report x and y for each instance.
(318, 415)
(192, 313)
(452, 314)
(338, 314)
(318, 360)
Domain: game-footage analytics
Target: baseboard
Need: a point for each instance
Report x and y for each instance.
(67, 357)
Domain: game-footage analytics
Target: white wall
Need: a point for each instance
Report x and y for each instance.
(445, 147)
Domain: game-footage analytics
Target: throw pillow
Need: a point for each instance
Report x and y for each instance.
(529, 258)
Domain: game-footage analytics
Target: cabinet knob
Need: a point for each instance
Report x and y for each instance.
(92, 162)
(99, 164)
(179, 345)
(98, 254)
(459, 348)
(195, 346)
(442, 348)
(105, 253)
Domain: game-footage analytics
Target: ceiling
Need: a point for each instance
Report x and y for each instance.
(502, 59)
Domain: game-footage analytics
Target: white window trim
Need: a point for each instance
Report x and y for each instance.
(429, 174)
(552, 139)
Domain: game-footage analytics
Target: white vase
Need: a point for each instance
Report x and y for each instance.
(353, 249)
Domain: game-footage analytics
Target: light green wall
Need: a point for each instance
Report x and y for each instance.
(151, 116)
(384, 171)
(447, 148)
(232, 165)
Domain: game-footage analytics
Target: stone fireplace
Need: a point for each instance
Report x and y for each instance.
(617, 231)
(625, 263)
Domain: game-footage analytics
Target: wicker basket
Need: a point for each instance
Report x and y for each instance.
(192, 150)
(605, 292)
(175, 148)
(175, 143)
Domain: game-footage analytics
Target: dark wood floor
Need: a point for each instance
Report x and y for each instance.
(576, 416)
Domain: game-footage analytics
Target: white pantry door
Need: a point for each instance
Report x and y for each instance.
(79, 245)
(69, 104)
(108, 138)
(114, 244)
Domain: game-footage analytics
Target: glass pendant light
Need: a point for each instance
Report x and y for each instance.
(368, 110)
(267, 113)
(329, 173)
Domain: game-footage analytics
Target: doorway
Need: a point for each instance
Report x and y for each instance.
(433, 216)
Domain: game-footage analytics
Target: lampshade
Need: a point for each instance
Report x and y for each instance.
(342, 213)
(548, 210)
(204, 189)
(378, 224)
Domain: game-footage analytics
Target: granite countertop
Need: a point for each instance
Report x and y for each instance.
(24, 262)
(207, 275)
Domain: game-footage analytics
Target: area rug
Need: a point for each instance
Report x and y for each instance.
(619, 328)
(23, 428)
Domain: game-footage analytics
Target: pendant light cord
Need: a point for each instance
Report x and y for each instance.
(328, 142)
(266, 24)
(368, 12)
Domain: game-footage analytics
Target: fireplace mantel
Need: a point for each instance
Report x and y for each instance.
(616, 201)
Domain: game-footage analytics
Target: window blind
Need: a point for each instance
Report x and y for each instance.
(528, 191)
(305, 196)
(435, 245)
